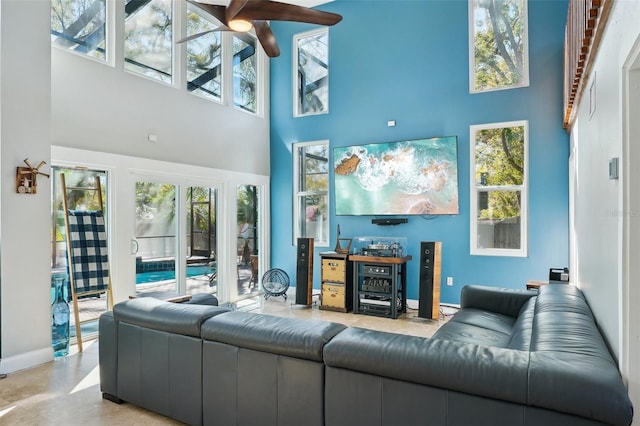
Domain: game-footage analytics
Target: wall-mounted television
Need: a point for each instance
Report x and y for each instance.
(415, 177)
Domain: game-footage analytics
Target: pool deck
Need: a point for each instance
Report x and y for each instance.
(90, 308)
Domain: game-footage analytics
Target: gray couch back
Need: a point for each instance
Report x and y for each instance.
(262, 369)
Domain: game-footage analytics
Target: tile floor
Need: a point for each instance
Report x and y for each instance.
(66, 391)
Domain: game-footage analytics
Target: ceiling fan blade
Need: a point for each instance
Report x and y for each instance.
(233, 8)
(268, 10)
(196, 35)
(266, 38)
(215, 10)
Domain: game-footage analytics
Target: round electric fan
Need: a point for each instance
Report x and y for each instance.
(275, 282)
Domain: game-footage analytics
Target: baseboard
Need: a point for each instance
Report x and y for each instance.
(26, 360)
(415, 304)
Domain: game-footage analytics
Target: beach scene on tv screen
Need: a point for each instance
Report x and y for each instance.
(417, 177)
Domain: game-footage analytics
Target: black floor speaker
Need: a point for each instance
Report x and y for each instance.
(430, 276)
(304, 271)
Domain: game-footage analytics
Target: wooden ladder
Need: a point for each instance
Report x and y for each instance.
(75, 242)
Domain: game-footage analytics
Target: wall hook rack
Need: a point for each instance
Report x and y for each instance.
(26, 182)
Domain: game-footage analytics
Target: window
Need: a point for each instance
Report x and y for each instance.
(311, 191)
(311, 65)
(204, 55)
(499, 158)
(245, 70)
(80, 26)
(498, 45)
(148, 38)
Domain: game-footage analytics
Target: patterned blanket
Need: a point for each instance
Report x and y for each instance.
(89, 263)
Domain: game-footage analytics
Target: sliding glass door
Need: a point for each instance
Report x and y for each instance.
(156, 237)
(202, 240)
(247, 243)
(175, 242)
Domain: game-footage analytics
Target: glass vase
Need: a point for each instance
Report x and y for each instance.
(60, 321)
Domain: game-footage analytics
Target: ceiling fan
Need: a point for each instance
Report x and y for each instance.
(242, 15)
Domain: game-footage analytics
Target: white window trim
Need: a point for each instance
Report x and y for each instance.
(297, 214)
(177, 15)
(472, 59)
(225, 41)
(294, 71)
(474, 189)
(260, 71)
(110, 42)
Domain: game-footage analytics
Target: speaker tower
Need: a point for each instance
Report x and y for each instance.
(304, 271)
(430, 275)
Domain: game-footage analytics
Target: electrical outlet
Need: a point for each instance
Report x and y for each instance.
(449, 281)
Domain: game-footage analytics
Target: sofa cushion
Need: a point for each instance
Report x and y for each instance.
(495, 317)
(159, 315)
(293, 337)
(481, 370)
(478, 327)
(523, 327)
(505, 301)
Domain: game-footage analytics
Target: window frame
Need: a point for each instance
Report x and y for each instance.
(294, 73)
(475, 189)
(259, 89)
(298, 215)
(109, 38)
(224, 48)
(170, 80)
(525, 50)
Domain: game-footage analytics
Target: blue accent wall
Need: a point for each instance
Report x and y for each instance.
(408, 61)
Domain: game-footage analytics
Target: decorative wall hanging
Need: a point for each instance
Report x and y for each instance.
(26, 182)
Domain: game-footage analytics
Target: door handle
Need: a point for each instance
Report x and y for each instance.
(134, 246)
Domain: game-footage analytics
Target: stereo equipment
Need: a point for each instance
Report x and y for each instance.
(559, 274)
(382, 250)
(304, 271)
(376, 269)
(430, 275)
(389, 221)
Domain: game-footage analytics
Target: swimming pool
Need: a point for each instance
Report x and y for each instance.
(151, 277)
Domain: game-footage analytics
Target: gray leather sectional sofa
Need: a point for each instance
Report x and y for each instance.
(508, 357)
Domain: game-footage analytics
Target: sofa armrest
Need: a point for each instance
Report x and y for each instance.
(505, 301)
(108, 355)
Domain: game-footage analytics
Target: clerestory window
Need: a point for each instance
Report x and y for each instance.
(148, 38)
(245, 72)
(311, 66)
(204, 55)
(80, 26)
(498, 45)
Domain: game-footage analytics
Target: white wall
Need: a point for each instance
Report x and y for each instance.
(601, 214)
(52, 97)
(25, 97)
(100, 107)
